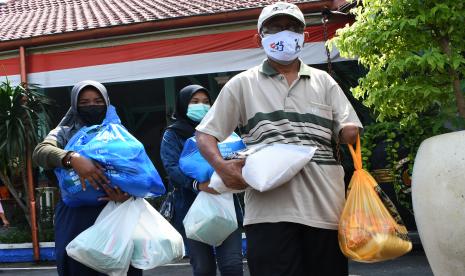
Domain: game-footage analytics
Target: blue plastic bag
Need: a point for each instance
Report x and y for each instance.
(195, 166)
(126, 163)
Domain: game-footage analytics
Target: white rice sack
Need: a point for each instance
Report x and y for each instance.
(274, 165)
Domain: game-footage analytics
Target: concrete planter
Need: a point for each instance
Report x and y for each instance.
(22, 252)
(438, 194)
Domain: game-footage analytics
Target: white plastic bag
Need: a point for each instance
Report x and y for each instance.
(156, 242)
(110, 207)
(107, 245)
(268, 166)
(211, 218)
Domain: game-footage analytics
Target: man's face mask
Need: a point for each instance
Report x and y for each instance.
(92, 114)
(283, 47)
(196, 112)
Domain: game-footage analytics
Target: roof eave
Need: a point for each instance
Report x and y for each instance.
(151, 26)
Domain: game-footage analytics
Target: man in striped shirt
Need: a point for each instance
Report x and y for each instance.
(291, 230)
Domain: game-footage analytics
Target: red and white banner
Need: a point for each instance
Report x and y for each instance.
(211, 53)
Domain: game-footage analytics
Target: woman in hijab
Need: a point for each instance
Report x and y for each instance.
(192, 104)
(89, 104)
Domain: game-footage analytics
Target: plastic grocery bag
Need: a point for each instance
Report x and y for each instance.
(268, 166)
(368, 231)
(126, 163)
(108, 209)
(211, 218)
(195, 166)
(107, 245)
(156, 242)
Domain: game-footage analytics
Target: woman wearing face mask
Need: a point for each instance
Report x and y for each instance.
(89, 103)
(192, 104)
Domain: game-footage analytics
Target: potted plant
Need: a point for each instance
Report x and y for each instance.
(23, 118)
(414, 52)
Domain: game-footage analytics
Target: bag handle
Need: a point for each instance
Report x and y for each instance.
(356, 154)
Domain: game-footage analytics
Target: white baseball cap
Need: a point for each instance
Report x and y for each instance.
(280, 8)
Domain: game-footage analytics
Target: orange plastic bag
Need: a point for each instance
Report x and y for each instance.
(368, 231)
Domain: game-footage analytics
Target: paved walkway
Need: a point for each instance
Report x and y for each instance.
(413, 264)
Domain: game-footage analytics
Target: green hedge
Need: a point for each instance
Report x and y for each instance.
(23, 235)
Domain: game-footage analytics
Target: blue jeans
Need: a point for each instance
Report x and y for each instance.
(228, 255)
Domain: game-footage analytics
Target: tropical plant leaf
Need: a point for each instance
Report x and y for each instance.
(23, 113)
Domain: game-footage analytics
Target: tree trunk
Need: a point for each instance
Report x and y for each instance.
(32, 203)
(459, 98)
(24, 180)
(6, 180)
(458, 93)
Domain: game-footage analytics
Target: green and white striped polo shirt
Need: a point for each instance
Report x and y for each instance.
(312, 111)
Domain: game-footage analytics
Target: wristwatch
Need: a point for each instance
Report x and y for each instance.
(195, 185)
(68, 158)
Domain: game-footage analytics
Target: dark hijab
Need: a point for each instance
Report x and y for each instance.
(71, 123)
(183, 126)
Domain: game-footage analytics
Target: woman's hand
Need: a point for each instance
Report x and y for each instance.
(88, 170)
(113, 194)
(204, 188)
(6, 223)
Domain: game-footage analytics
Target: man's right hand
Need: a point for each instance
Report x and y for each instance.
(88, 170)
(204, 188)
(230, 172)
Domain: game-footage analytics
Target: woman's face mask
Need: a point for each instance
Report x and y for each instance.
(283, 47)
(196, 112)
(91, 107)
(92, 114)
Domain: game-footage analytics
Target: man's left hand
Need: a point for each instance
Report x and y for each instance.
(348, 134)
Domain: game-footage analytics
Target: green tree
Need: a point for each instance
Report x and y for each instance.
(23, 115)
(414, 51)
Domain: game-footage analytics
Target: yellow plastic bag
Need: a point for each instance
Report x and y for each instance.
(368, 231)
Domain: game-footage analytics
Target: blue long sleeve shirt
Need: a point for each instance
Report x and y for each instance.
(170, 151)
